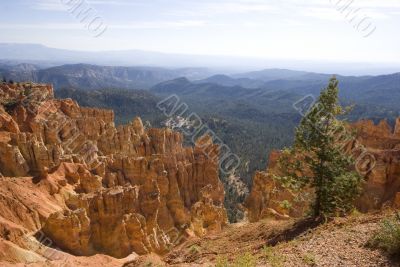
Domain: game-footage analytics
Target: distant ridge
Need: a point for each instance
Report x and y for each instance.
(37, 53)
(90, 77)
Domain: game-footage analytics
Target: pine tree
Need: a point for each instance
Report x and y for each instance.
(323, 165)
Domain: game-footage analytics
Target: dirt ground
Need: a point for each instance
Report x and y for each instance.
(341, 243)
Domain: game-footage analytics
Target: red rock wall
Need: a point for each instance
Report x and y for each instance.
(113, 190)
(382, 175)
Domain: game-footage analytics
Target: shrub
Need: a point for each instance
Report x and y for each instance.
(245, 260)
(221, 262)
(10, 105)
(194, 249)
(387, 237)
(309, 259)
(286, 205)
(271, 257)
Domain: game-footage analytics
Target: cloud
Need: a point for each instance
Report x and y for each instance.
(126, 26)
(377, 3)
(323, 13)
(354, 3)
(159, 24)
(375, 14)
(238, 7)
(63, 5)
(46, 26)
(339, 9)
(190, 13)
(49, 5)
(113, 2)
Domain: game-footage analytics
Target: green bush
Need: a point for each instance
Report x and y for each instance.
(309, 259)
(10, 105)
(286, 205)
(194, 249)
(245, 260)
(387, 237)
(222, 262)
(273, 258)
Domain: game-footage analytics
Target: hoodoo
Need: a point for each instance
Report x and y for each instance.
(70, 175)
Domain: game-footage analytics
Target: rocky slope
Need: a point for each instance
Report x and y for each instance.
(74, 184)
(341, 242)
(376, 150)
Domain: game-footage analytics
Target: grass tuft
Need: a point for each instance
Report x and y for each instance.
(387, 237)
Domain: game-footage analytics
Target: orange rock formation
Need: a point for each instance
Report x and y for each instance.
(377, 149)
(70, 177)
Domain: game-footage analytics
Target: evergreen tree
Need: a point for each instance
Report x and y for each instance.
(317, 159)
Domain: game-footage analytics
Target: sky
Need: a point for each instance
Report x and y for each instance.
(336, 30)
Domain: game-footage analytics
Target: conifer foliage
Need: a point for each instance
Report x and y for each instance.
(324, 166)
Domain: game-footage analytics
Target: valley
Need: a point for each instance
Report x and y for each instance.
(183, 133)
(129, 174)
(252, 113)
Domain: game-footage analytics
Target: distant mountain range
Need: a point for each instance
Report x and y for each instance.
(40, 53)
(251, 112)
(91, 77)
(48, 57)
(255, 86)
(281, 74)
(226, 80)
(258, 79)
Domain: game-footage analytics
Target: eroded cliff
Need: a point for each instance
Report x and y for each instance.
(70, 175)
(377, 154)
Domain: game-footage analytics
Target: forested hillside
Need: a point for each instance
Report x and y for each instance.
(251, 121)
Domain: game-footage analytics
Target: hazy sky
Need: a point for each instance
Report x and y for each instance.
(290, 29)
